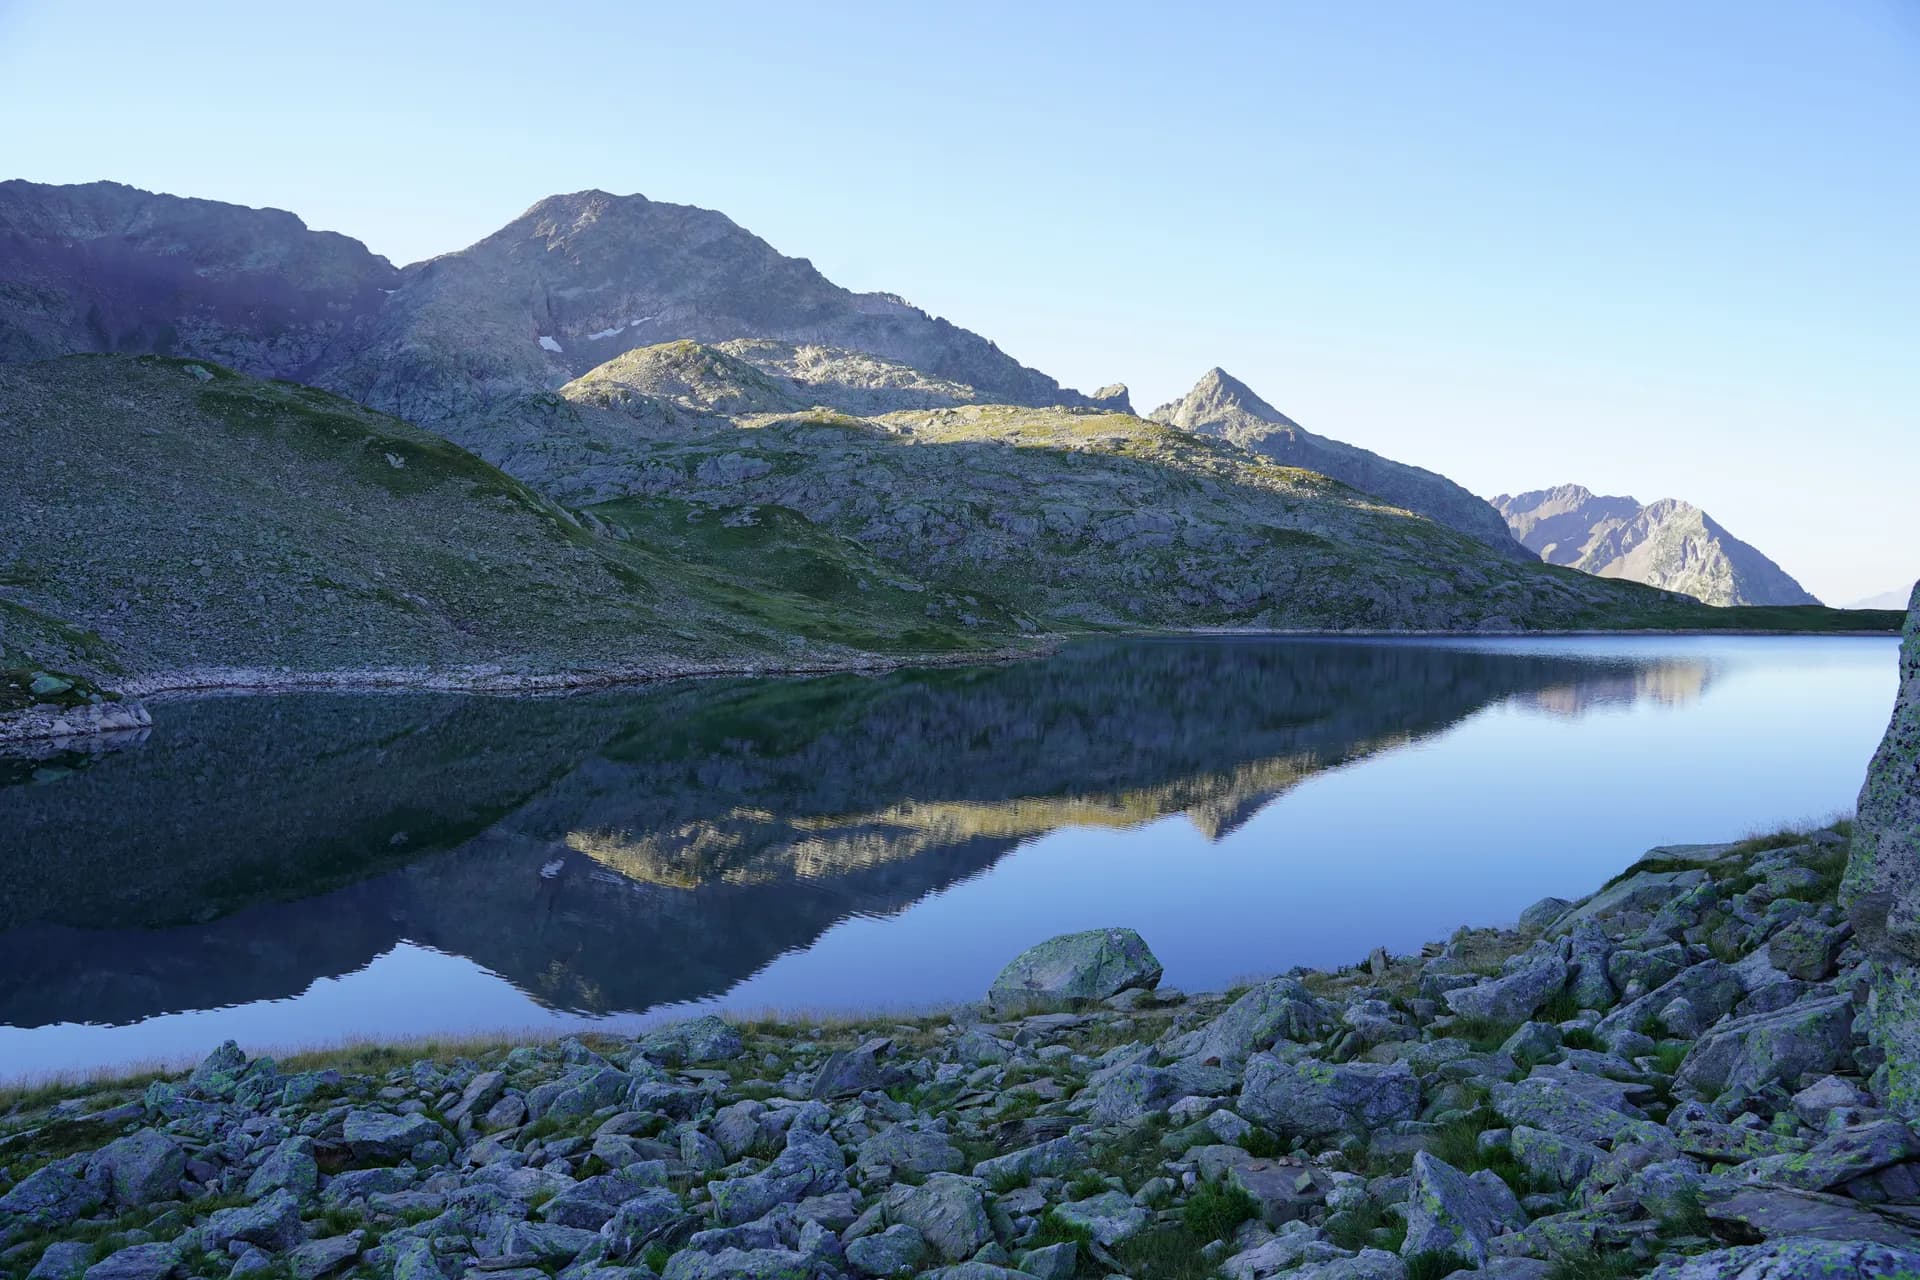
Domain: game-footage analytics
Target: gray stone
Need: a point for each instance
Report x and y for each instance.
(1882, 887)
(62, 1260)
(703, 1039)
(910, 1148)
(379, 1135)
(1554, 1158)
(273, 1224)
(1282, 1253)
(1773, 1213)
(899, 1249)
(640, 1220)
(1056, 1157)
(948, 1211)
(736, 1127)
(1072, 968)
(1447, 1212)
(1110, 1217)
(1547, 1102)
(481, 1092)
(1514, 996)
(581, 1092)
(1840, 1157)
(1796, 1260)
(218, 1074)
(1368, 1264)
(1825, 1096)
(851, 1072)
(1805, 949)
(1275, 1010)
(153, 1261)
(1747, 1054)
(1054, 1262)
(318, 1258)
(141, 1168)
(1130, 1093)
(52, 1196)
(810, 1164)
(1544, 912)
(1320, 1100)
(290, 1165)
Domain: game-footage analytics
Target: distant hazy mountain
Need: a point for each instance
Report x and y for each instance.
(572, 283)
(1221, 405)
(1896, 599)
(1669, 544)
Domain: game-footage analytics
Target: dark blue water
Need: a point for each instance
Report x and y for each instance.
(298, 870)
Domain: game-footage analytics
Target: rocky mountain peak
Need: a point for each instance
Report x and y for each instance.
(1217, 396)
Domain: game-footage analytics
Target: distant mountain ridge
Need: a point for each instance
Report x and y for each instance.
(1223, 406)
(1669, 544)
(573, 282)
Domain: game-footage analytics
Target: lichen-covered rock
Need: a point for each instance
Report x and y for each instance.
(1746, 1054)
(1553, 1158)
(1514, 996)
(703, 1039)
(912, 1149)
(949, 1212)
(1448, 1212)
(1882, 886)
(1546, 1102)
(1319, 1100)
(888, 1253)
(856, 1070)
(1279, 1009)
(51, 1196)
(1800, 1259)
(1109, 1217)
(290, 1165)
(141, 1168)
(273, 1223)
(155, 1260)
(379, 1135)
(810, 1164)
(1072, 968)
(1055, 1157)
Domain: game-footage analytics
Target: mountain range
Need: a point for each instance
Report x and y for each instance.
(623, 433)
(1668, 544)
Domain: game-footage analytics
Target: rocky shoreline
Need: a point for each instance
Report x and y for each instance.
(33, 725)
(1662, 1079)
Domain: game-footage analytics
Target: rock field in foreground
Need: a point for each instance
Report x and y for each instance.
(1664, 1079)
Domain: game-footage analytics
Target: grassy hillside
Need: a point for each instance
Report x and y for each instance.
(174, 515)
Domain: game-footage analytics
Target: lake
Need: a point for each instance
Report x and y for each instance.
(299, 870)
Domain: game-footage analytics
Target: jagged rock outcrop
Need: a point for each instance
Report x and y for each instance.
(1883, 885)
(1668, 544)
(1222, 405)
(107, 267)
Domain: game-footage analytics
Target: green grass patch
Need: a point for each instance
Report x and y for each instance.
(1216, 1208)
(1432, 1264)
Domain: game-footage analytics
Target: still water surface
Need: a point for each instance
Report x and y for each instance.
(304, 869)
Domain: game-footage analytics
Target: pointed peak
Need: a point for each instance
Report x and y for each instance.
(1219, 395)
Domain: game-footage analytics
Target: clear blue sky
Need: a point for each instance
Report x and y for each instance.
(1666, 250)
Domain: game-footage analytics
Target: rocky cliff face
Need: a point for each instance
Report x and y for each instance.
(1223, 406)
(1669, 544)
(106, 267)
(1883, 885)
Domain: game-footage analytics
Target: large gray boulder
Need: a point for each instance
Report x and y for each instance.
(141, 1168)
(949, 1212)
(1743, 1055)
(1278, 1009)
(1072, 968)
(1795, 1260)
(1512, 997)
(1448, 1212)
(1325, 1100)
(1882, 887)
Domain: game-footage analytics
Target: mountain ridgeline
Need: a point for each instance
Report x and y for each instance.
(631, 436)
(1668, 544)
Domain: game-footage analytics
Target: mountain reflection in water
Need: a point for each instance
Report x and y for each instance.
(623, 851)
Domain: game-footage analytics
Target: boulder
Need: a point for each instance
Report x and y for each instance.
(1448, 1212)
(887, 1253)
(290, 1165)
(1074, 968)
(154, 1261)
(912, 1149)
(273, 1224)
(811, 1164)
(1772, 1213)
(1110, 1217)
(703, 1039)
(1882, 887)
(949, 1212)
(1323, 1100)
(1553, 1158)
(640, 1220)
(380, 1135)
(1795, 1260)
(1512, 997)
(1744, 1055)
(852, 1072)
(141, 1168)
(63, 1260)
(1054, 1158)
(1279, 1009)
(51, 1196)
